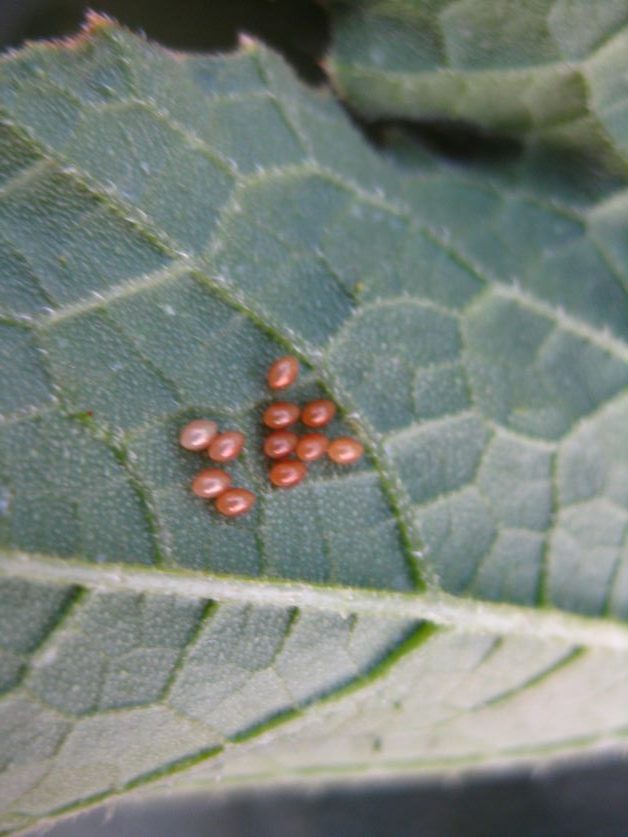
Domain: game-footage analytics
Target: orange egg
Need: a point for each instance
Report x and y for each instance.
(280, 415)
(226, 446)
(283, 372)
(318, 413)
(287, 474)
(312, 446)
(210, 483)
(345, 450)
(235, 501)
(198, 434)
(280, 443)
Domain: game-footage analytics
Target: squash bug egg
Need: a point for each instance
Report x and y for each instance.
(283, 372)
(287, 474)
(198, 434)
(312, 446)
(235, 501)
(280, 444)
(210, 483)
(345, 450)
(318, 413)
(226, 446)
(280, 415)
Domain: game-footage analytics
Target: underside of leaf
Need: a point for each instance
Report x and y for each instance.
(171, 224)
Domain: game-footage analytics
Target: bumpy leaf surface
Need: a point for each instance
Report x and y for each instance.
(170, 224)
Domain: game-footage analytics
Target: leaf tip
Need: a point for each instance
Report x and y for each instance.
(97, 21)
(93, 24)
(247, 42)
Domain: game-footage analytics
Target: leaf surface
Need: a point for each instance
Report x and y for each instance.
(169, 225)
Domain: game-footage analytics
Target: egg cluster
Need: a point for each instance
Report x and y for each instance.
(296, 452)
(202, 435)
(289, 452)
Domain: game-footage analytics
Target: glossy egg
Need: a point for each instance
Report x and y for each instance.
(280, 443)
(287, 474)
(345, 450)
(312, 446)
(318, 413)
(210, 483)
(280, 415)
(226, 446)
(235, 501)
(283, 372)
(198, 434)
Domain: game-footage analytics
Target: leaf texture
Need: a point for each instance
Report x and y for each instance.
(170, 224)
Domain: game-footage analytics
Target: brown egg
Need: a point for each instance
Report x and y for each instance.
(210, 483)
(287, 474)
(283, 372)
(312, 446)
(226, 446)
(280, 444)
(280, 415)
(198, 434)
(345, 450)
(318, 413)
(235, 501)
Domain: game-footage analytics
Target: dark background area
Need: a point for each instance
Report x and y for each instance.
(582, 799)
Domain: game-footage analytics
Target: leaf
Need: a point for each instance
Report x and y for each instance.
(169, 224)
(553, 71)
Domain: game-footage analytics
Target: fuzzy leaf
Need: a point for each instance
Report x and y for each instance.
(170, 224)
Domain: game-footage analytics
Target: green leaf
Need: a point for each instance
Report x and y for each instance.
(170, 224)
(553, 71)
